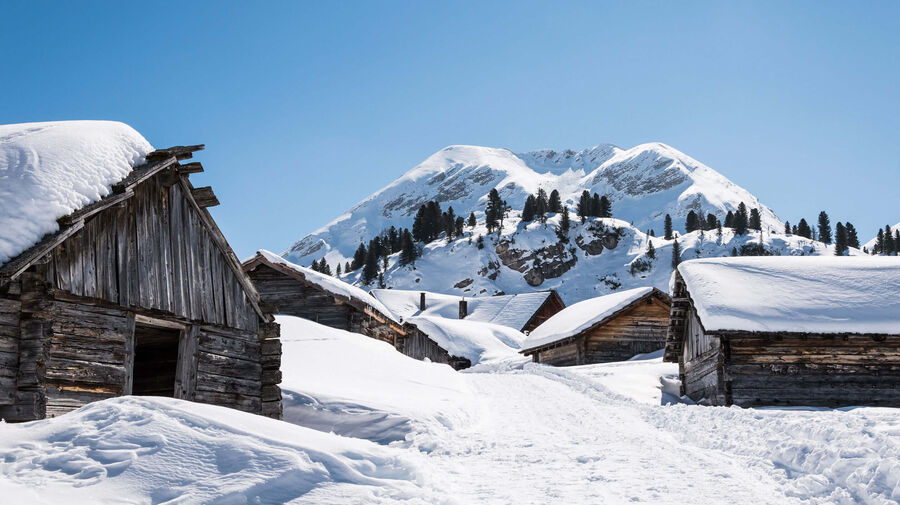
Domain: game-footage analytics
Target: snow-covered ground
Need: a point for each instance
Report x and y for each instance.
(502, 432)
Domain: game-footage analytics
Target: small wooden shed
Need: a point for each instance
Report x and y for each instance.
(136, 293)
(787, 331)
(288, 288)
(608, 328)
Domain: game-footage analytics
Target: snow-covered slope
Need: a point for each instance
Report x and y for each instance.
(644, 183)
(48, 170)
(870, 245)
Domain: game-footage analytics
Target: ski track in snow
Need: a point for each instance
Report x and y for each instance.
(550, 436)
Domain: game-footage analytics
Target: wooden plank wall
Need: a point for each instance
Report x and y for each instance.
(813, 370)
(229, 369)
(547, 310)
(10, 309)
(295, 298)
(417, 345)
(153, 252)
(638, 330)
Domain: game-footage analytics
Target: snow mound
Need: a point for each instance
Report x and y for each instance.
(147, 449)
(49, 170)
(331, 284)
(581, 316)
(513, 311)
(474, 340)
(797, 294)
(353, 385)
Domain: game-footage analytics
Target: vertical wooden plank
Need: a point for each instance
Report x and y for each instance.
(165, 269)
(61, 259)
(76, 270)
(227, 281)
(88, 263)
(111, 264)
(206, 288)
(176, 243)
(122, 280)
(134, 295)
(129, 355)
(217, 287)
(186, 369)
(195, 284)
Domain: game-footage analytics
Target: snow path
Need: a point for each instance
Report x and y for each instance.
(552, 437)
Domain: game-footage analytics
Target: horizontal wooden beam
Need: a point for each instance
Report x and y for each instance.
(205, 197)
(180, 152)
(189, 168)
(142, 173)
(90, 210)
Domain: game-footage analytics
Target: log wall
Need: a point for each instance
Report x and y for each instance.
(637, 330)
(288, 295)
(417, 345)
(545, 312)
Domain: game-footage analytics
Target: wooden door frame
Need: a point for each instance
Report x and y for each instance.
(186, 366)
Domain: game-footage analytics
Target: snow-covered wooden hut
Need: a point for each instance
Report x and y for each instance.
(115, 280)
(608, 328)
(288, 288)
(522, 312)
(812, 331)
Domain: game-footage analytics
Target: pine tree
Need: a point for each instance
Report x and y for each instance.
(541, 205)
(803, 229)
(460, 224)
(711, 221)
(479, 242)
(605, 207)
(450, 224)
(676, 254)
(729, 220)
(528, 209)
(691, 223)
(755, 222)
(741, 220)
(338, 272)
(583, 209)
(314, 266)
(787, 227)
(347, 267)
(652, 232)
(824, 228)
(794, 230)
(325, 268)
(370, 266)
(472, 221)
(840, 239)
(879, 243)
(651, 251)
(492, 211)
(668, 227)
(896, 242)
(407, 249)
(595, 205)
(890, 245)
(734, 251)
(852, 237)
(563, 231)
(359, 258)
(555, 203)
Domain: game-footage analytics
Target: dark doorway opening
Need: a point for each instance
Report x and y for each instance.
(155, 361)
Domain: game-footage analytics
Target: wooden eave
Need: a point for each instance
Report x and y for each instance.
(565, 340)
(157, 162)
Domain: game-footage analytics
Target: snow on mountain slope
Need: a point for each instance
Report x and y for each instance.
(600, 257)
(644, 183)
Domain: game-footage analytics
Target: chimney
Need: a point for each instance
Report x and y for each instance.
(463, 309)
(422, 301)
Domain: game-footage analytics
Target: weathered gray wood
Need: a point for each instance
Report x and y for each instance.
(205, 197)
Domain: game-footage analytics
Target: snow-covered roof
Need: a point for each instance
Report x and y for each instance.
(475, 340)
(330, 284)
(579, 317)
(513, 311)
(820, 294)
(49, 170)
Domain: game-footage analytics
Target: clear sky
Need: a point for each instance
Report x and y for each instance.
(308, 107)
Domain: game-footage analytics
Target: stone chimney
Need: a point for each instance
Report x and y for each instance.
(463, 309)
(422, 301)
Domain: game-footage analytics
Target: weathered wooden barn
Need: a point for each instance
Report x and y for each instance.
(523, 312)
(287, 288)
(136, 293)
(787, 331)
(608, 328)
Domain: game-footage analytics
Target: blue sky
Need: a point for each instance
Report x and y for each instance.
(306, 108)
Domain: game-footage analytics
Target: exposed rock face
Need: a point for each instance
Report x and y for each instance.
(596, 246)
(463, 283)
(545, 263)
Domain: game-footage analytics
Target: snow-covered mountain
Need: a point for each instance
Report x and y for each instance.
(644, 184)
